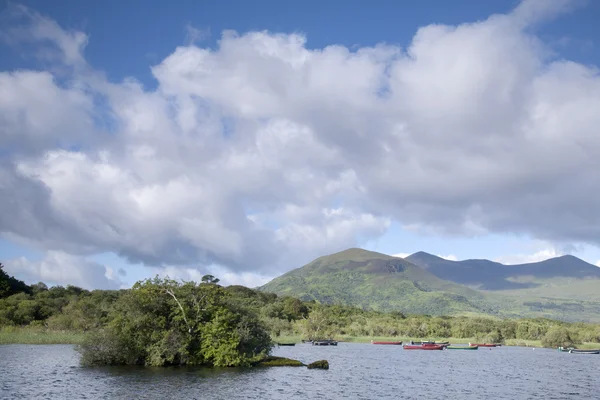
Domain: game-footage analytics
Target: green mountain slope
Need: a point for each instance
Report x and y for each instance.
(563, 288)
(377, 281)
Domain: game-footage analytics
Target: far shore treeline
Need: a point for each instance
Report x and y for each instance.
(163, 322)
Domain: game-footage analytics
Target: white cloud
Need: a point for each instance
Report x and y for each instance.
(194, 35)
(597, 263)
(262, 154)
(401, 255)
(540, 255)
(54, 42)
(64, 269)
(226, 277)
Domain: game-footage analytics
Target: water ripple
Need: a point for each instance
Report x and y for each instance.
(358, 371)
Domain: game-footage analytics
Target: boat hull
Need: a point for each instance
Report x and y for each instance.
(575, 351)
(429, 347)
(324, 343)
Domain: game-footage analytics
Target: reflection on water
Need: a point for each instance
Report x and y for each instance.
(357, 371)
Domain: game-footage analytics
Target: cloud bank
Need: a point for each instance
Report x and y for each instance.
(261, 154)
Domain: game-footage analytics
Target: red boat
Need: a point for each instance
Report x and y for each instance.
(382, 342)
(424, 347)
(484, 344)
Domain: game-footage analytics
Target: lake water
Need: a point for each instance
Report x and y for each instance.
(357, 371)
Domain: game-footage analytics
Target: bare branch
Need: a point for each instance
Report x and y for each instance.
(181, 308)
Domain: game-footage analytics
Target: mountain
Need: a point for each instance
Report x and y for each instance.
(559, 288)
(489, 275)
(377, 281)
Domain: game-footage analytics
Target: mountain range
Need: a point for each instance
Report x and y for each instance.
(566, 287)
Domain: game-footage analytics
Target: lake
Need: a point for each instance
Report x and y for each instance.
(357, 371)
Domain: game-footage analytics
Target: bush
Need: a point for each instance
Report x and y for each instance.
(558, 337)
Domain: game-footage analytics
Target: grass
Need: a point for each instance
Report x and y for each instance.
(25, 335)
(287, 339)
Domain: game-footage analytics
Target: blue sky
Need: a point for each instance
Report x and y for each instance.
(126, 40)
(140, 33)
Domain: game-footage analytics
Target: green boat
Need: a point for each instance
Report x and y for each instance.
(462, 347)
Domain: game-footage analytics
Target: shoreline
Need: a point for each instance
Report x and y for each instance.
(367, 339)
(27, 335)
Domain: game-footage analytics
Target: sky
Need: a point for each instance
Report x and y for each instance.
(245, 139)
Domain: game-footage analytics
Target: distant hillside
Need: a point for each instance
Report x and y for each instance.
(564, 288)
(489, 275)
(377, 281)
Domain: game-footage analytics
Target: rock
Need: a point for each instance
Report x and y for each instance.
(272, 361)
(321, 364)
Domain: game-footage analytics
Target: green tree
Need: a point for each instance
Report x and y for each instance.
(558, 336)
(318, 325)
(210, 279)
(10, 285)
(164, 322)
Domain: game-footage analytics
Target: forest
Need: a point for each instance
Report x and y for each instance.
(164, 322)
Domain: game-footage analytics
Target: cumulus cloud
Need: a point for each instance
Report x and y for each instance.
(540, 255)
(262, 154)
(225, 275)
(52, 42)
(64, 269)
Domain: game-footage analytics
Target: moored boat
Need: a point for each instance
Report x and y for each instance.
(483, 344)
(424, 347)
(577, 351)
(462, 347)
(328, 342)
(286, 344)
(384, 342)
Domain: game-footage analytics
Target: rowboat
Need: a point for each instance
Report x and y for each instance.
(462, 347)
(383, 342)
(576, 351)
(424, 347)
(324, 343)
(286, 344)
(483, 344)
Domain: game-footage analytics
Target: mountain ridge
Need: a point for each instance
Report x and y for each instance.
(423, 283)
(374, 280)
(485, 274)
